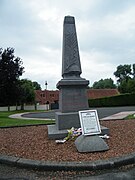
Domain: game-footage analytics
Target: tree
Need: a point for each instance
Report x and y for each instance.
(131, 85)
(36, 85)
(10, 70)
(134, 71)
(26, 94)
(104, 84)
(125, 75)
(123, 72)
(127, 86)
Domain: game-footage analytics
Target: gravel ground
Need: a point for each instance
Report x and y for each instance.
(33, 143)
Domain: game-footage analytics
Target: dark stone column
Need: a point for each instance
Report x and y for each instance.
(73, 94)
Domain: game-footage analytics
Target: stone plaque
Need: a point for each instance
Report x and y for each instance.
(89, 122)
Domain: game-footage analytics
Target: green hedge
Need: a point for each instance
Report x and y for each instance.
(119, 100)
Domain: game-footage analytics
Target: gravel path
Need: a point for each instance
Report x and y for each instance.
(33, 143)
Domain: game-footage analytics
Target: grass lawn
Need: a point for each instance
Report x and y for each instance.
(5, 121)
(131, 116)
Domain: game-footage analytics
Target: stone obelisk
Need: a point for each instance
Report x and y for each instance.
(72, 88)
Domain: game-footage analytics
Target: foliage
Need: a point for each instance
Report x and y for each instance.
(26, 91)
(104, 84)
(125, 75)
(119, 100)
(127, 86)
(5, 121)
(131, 116)
(133, 71)
(10, 70)
(12, 89)
(36, 85)
(123, 72)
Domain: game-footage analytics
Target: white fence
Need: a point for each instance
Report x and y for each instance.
(26, 107)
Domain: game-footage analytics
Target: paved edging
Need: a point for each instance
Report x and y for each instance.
(77, 166)
(20, 116)
(119, 116)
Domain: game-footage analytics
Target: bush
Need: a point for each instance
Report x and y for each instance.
(119, 100)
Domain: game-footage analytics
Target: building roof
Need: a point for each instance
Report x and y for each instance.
(99, 93)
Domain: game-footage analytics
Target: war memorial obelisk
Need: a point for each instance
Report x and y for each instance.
(72, 88)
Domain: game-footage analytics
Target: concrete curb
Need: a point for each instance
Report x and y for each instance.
(68, 166)
(118, 116)
(20, 116)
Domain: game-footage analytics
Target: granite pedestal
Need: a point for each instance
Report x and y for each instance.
(72, 98)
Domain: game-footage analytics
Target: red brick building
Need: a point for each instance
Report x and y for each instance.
(49, 97)
(46, 96)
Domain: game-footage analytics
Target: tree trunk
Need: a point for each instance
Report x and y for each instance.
(22, 106)
(35, 106)
(8, 108)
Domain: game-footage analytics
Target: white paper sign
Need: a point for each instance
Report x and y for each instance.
(89, 122)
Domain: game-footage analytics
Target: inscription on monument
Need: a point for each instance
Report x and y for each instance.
(89, 122)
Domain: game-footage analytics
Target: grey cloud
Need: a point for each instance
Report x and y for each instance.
(104, 7)
(31, 36)
(24, 30)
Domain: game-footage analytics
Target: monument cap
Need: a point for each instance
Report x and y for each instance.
(69, 20)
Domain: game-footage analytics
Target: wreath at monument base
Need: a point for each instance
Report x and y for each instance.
(73, 133)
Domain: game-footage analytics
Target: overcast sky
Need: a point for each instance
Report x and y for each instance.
(105, 32)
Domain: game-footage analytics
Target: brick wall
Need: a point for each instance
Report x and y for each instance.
(49, 97)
